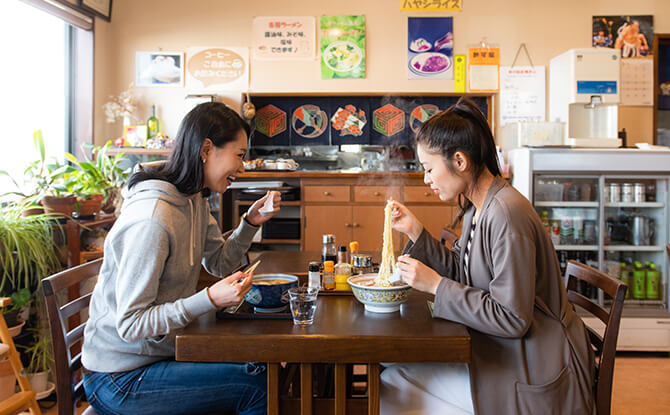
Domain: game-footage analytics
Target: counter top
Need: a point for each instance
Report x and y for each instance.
(312, 174)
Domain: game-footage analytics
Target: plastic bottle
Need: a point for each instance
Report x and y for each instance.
(638, 281)
(314, 275)
(353, 250)
(653, 281)
(624, 276)
(328, 252)
(545, 220)
(328, 275)
(342, 270)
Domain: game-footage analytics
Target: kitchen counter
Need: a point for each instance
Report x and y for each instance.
(315, 174)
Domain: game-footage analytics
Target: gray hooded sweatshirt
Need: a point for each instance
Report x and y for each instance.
(146, 288)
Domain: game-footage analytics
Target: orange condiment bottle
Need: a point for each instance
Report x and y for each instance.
(353, 249)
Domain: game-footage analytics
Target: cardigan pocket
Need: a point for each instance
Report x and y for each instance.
(559, 396)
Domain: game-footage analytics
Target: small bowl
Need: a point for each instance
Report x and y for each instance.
(270, 298)
(378, 299)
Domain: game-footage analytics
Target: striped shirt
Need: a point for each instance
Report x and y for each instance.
(466, 259)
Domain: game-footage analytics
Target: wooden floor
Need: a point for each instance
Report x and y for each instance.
(641, 382)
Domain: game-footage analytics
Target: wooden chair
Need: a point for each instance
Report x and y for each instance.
(25, 399)
(605, 346)
(69, 383)
(448, 237)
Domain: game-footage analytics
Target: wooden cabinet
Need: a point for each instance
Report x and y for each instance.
(435, 218)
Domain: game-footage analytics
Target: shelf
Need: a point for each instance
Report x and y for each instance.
(283, 203)
(635, 205)
(86, 256)
(567, 204)
(639, 248)
(280, 241)
(576, 247)
(139, 151)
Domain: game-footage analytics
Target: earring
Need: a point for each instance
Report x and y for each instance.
(204, 160)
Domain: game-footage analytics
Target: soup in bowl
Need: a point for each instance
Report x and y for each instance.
(269, 292)
(378, 299)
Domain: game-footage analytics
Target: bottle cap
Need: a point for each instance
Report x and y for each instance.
(328, 238)
(652, 265)
(342, 248)
(329, 266)
(353, 246)
(314, 267)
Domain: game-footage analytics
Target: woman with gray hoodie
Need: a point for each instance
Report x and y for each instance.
(146, 291)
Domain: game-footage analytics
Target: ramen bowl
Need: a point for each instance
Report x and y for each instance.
(378, 299)
(269, 292)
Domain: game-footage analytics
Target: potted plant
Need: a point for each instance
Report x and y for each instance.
(40, 359)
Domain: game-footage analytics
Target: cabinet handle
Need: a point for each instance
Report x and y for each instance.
(356, 225)
(326, 193)
(377, 194)
(662, 322)
(347, 225)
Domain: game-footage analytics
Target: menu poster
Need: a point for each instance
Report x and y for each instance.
(342, 45)
(637, 82)
(522, 93)
(430, 5)
(284, 38)
(430, 43)
(217, 68)
(483, 69)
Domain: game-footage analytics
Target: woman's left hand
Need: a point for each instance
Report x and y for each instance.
(418, 275)
(256, 215)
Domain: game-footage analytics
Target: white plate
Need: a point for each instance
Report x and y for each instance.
(421, 59)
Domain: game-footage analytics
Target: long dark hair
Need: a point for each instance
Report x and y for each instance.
(463, 128)
(184, 167)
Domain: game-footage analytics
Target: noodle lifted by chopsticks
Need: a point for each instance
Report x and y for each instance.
(387, 265)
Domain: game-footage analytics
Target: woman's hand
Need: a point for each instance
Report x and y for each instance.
(402, 220)
(418, 275)
(230, 290)
(257, 215)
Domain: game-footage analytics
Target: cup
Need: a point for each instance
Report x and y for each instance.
(303, 304)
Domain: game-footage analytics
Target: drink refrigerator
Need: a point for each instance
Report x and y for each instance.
(606, 207)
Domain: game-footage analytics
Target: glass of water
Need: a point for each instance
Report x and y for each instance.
(303, 304)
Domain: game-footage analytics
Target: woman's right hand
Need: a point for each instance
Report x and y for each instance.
(230, 290)
(403, 220)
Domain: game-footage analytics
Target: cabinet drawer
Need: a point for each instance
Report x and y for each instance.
(420, 194)
(326, 193)
(375, 193)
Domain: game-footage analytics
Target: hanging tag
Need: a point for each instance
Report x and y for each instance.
(459, 73)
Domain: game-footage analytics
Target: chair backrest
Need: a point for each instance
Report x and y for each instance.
(448, 237)
(605, 346)
(69, 383)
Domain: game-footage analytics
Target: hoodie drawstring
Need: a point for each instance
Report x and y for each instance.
(192, 240)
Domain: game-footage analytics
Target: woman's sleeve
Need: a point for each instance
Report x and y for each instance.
(506, 309)
(220, 256)
(140, 251)
(434, 254)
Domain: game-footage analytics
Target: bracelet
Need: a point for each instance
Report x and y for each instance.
(246, 219)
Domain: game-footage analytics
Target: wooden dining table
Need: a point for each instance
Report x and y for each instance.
(343, 333)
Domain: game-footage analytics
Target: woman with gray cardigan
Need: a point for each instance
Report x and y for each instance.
(530, 351)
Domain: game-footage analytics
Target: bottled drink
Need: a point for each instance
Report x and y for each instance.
(353, 250)
(328, 253)
(653, 281)
(314, 275)
(342, 270)
(566, 231)
(545, 220)
(152, 124)
(578, 230)
(638, 281)
(624, 276)
(328, 275)
(556, 232)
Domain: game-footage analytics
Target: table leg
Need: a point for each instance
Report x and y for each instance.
(273, 388)
(340, 389)
(373, 388)
(306, 389)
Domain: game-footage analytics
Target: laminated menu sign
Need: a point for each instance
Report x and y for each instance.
(217, 68)
(522, 93)
(430, 43)
(284, 37)
(430, 5)
(342, 45)
(483, 66)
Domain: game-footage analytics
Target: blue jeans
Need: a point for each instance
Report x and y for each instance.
(170, 387)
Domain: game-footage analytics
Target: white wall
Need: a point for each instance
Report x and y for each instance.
(548, 27)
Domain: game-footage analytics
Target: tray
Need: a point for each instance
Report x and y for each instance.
(336, 292)
(246, 312)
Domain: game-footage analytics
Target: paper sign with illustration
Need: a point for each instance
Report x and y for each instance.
(342, 46)
(159, 68)
(284, 37)
(632, 35)
(430, 43)
(217, 68)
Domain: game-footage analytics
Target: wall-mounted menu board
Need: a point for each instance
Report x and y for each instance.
(323, 119)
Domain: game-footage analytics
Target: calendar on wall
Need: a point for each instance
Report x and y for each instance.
(637, 82)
